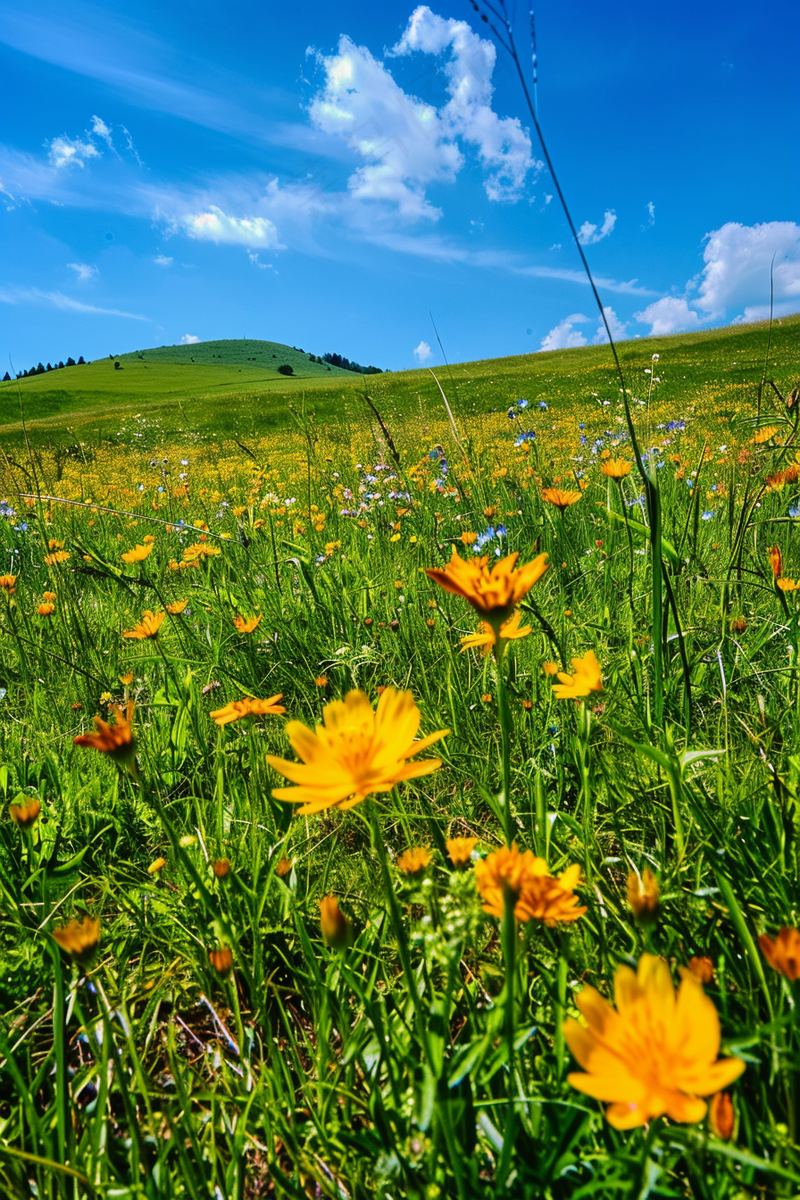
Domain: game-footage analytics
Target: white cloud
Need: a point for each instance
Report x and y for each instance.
(14, 295)
(83, 271)
(189, 339)
(216, 226)
(163, 260)
(256, 261)
(66, 152)
(760, 312)
(588, 234)
(737, 267)
(422, 353)
(101, 130)
(616, 326)
(651, 214)
(563, 336)
(408, 144)
(671, 314)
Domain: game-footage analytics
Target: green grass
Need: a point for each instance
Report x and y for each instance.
(426, 1057)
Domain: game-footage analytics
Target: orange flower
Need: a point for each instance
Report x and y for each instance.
(126, 678)
(283, 867)
(321, 681)
(8, 584)
(486, 638)
(702, 968)
(415, 860)
(156, 866)
(137, 554)
(48, 595)
(560, 498)
(25, 815)
(776, 561)
(249, 706)
(495, 593)
(765, 434)
(783, 953)
(788, 585)
(79, 939)
(177, 607)
(459, 850)
(221, 960)
(336, 928)
(616, 468)
(117, 740)
(643, 895)
(537, 895)
(148, 627)
(60, 556)
(355, 753)
(588, 678)
(247, 624)
(221, 867)
(468, 537)
(721, 1116)
(46, 609)
(653, 1055)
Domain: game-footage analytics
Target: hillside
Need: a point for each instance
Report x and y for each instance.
(232, 387)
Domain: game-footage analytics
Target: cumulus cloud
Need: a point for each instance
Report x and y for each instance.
(189, 339)
(163, 260)
(563, 336)
(588, 234)
(422, 353)
(616, 326)
(671, 314)
(737, 268)
(408, 144)
(83, 271)
(71, 152)
(214, 225)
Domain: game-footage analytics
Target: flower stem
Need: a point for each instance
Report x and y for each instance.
(509, 934)
(506, 728)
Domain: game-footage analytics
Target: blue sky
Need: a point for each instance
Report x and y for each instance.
(330, 175)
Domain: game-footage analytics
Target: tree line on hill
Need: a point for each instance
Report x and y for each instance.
(338, 360)
(40, 369)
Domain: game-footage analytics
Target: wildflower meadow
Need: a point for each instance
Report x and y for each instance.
(404, 801)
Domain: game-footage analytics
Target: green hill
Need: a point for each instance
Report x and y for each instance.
(233, 387)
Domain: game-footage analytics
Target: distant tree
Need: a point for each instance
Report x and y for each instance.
(117, 365)
(338, 360)
(81, 361)
(285, 369)
(70, 362)
(61, 366)
(40, 369)
(48, 367)
(6, 377)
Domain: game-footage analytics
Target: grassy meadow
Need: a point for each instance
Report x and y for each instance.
(395, 978)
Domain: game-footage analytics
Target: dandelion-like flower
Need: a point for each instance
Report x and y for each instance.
(356, 752)
(783, 952)
(488, 640)
(788, 585)
(249, 706)
(765, 434)
(588, 678)
(177, 607)
(655, 1054)
(560, 498)
(616, 468)
(8, 584)
(414, 860)
(537, 895)
(643, 895)
(46, 608)
(493, 593)
(117, 740)
(247, 624)
(334, 924)
(59, 556)
(148, 627)
(79, 939)
(459, 851)
(25, 815)
(137, 554)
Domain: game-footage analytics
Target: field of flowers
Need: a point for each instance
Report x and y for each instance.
(407, 804)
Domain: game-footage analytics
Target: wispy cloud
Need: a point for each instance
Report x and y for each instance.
(19, 295)
(84, 271)
(588, 234)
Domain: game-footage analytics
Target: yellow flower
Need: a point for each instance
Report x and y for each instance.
(148, 627)
(333, 923)
(137, 554)
(495, 593)
(60, 556)
(198, 551)
(156, 866)
(459, 850)
(783, 953)
(48, 595)
(468, 537)
(550, 668)
(643, 895)
(79, 939)
(486, 637)
(560, 498)
(249, 706)
(765, 434)
(126, 678)
(656, 1053)
(46, 609)
(247, 624)
(321, 681)
(616, 468)
(117, 740)
(588, 678)
(355, 753)
(8, 584)
(788, 585)
(148, 539)
(537, 895)
(177, 607)
(25, 815)
(414, 860)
